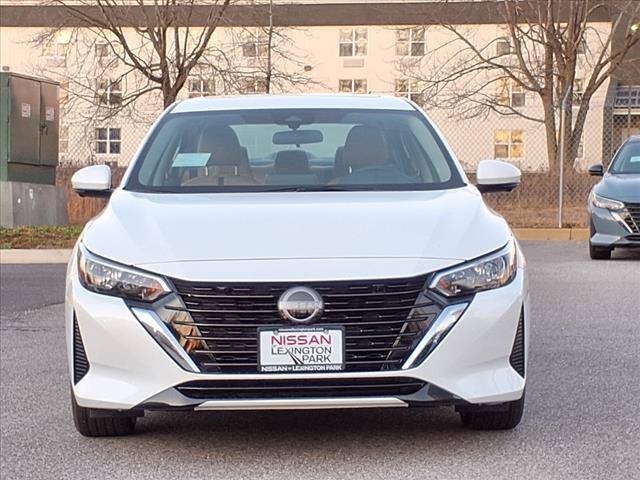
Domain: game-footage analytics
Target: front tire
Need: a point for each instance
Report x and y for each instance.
(599, 253)
(101, 426)
(494, 420)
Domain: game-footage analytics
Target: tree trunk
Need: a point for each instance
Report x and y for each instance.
(550, 134)
(169, 96)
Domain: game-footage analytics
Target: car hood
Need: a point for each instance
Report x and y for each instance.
(623, 187)
(242, 236)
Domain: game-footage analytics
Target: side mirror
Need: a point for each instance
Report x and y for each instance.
(497, 176)
(94, 181)
(596, 170)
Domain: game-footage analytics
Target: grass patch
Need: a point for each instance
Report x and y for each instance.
(63, 236)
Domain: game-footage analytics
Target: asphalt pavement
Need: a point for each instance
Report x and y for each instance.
(582, 415)
(28, 287)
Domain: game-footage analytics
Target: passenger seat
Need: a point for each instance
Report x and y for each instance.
(228, 163)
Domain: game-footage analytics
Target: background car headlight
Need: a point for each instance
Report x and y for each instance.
(109, 278)
(602, 202)
(485, 273)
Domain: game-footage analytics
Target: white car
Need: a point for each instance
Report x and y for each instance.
(296, 252)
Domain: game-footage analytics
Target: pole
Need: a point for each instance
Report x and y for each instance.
(629, 92)
(563, 107)
(269, 48)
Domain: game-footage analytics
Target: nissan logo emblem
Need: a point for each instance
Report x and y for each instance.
(300, 305)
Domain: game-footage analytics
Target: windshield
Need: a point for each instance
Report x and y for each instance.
(297, 150)
(628, 159)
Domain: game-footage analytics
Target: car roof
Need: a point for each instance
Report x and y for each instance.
(313, 101)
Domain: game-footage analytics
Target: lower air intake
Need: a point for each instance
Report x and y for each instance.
(252, 389)
(80, 362)
(517, 359)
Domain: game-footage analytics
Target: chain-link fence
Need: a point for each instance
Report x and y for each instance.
(523, 143)
(535, 203)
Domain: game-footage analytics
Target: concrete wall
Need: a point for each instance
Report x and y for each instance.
(32, 204)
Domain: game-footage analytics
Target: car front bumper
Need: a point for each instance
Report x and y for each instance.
(128, 369)
(609, 230)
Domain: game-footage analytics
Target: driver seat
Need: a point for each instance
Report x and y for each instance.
(365, 147)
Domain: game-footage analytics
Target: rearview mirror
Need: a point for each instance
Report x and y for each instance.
(93, 181)
(297, 137)
(596, 170)
(497, 176)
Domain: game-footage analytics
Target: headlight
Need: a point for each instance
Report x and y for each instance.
(602, 202)
(109, 278)
(485, 273)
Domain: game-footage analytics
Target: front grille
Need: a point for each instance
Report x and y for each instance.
(383, 320)
(517, 359)
(80, 362)
(632, 219)
(348, 387)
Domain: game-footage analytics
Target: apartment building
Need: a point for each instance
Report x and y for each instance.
(354, 47)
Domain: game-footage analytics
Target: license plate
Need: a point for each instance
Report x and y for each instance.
(301, 350)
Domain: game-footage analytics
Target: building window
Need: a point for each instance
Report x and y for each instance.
(578, 91)
(63, 139)
(503, 42)
(108, 141)
(410, 42)
(251, 85)
(109, 92)
(353, 86)
(353, 42)
(503, 46)
(200, 87)
(105, 55)
(255, 44)
(409, 89)
(509, 144)
(510, 93)
(56, 49)
(102, 50)
(53, 49)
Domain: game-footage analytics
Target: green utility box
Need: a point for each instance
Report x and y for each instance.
(29, 127)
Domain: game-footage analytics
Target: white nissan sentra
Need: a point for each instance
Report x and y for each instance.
(296, 252)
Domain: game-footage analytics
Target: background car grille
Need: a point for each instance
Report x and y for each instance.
(633, 217)
(383, 320)
(348, 387)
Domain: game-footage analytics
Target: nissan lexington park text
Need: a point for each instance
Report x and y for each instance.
(296, 252)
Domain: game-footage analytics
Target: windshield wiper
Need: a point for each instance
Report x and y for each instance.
(321, 188)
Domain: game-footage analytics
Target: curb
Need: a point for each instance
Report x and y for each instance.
(551, 233)
(26, 256)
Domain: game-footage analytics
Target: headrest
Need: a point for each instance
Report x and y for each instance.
(223, 145)
(364, 147)
(291, 162)
(339, 167)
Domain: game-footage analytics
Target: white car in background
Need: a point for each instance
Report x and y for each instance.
(296, 252)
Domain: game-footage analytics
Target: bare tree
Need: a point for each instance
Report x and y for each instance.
(155, 39)
(543, 46)
(261, 56)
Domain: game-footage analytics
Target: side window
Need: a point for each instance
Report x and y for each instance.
(435, 159)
